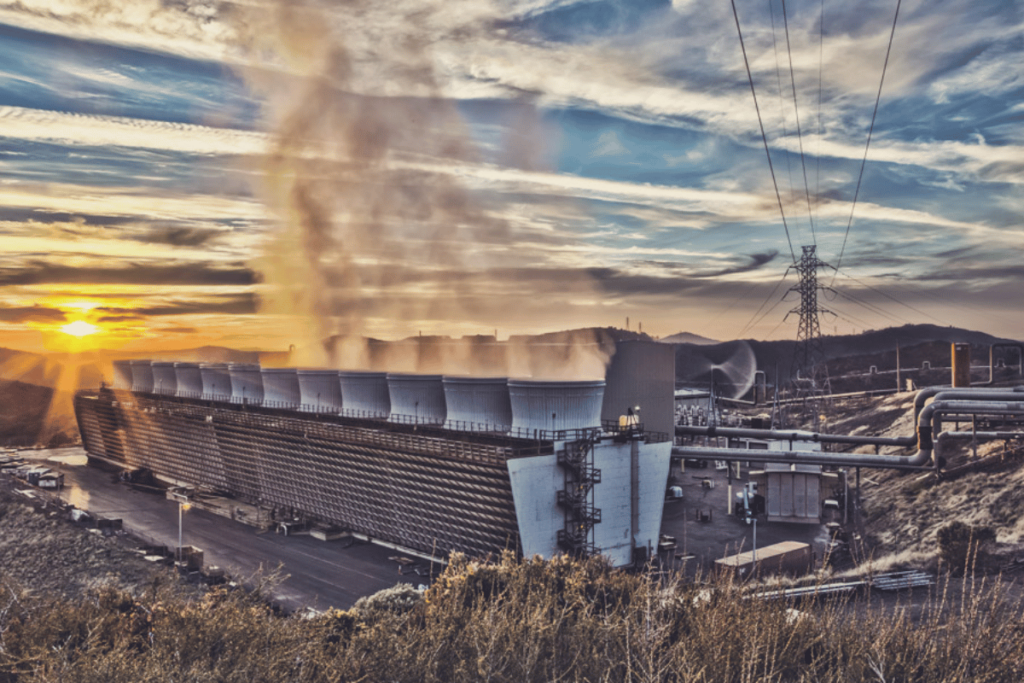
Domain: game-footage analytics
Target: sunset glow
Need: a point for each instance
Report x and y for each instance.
(176, 178)
(79, 328)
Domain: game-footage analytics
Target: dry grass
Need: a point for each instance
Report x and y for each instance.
(508, 621)
(511, 620)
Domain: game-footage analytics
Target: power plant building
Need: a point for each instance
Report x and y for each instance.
(431, 463)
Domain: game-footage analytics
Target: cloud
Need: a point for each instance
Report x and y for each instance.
(38, 314)
(75, 129)
(195, 274)
(233, 305)
(177, 236)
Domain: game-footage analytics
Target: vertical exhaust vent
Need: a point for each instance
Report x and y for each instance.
(165, 381)
(478, 404)
(417, 399)
(246, 383)
(216, 381)
(365, 394)
(281, 388)
(142, 376)
(190, 381)
(123, 374)
(554, 406)
(320, 390)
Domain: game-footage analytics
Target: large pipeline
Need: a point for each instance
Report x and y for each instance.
(939, 393)
(794, 435)
(992, 360)
(929, 425)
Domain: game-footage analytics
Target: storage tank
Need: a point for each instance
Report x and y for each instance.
(555, 405)
(477, 403)
(164, 379)
(246, 383)
(123, 374)
(216, 381)
(281, 388)
(365, 394)
(142, 376)
(319, 390)
(190, 382)
(417, 399)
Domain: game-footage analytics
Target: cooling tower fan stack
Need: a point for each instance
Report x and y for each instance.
(728, 369)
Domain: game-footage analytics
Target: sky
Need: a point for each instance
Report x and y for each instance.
(261, 174)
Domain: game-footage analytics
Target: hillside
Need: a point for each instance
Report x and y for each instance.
(688, 338)
(845, 355)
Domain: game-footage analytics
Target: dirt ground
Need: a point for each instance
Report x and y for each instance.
(901, 512)
(42, 551)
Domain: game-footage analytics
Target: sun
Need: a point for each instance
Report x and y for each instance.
(79, 328)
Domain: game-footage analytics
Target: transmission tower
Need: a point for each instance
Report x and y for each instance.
(809, 350)
(808, 366)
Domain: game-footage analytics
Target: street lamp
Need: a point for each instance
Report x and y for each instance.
(183, 505)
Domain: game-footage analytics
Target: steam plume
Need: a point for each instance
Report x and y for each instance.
(363, 177)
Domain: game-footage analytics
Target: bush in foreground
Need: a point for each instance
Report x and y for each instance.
(512, 620)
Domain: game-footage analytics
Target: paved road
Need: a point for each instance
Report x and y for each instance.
(319, 574)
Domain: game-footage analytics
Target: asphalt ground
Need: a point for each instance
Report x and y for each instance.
(722, 535)
(319, 574)
(312, 573)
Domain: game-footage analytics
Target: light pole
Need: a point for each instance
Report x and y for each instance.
(754, 520)
(183, 505)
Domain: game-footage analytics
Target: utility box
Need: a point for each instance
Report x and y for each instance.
(190, 557)
(788, 557)
(793, 493)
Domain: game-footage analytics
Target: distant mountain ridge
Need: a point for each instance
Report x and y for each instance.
(40, 369)
(688, 338)
(845, 353)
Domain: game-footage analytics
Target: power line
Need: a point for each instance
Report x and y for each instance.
(799, 136)
(782, 98)
(764, 303)
(821, 62)
(764, 138)
(889, 296)
(870, 307)
(867, 146)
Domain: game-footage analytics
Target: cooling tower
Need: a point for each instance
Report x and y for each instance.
(142, 376)
(246, 383)
(417, 398)
(477, 403)
(164, 380)
(216, 381)
(642, 375)
(123, 374)
(555, 405)
(281, 388)
(319, 390)
(190, 382)
(365, 394)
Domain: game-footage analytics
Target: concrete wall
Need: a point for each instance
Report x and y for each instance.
(537, 480)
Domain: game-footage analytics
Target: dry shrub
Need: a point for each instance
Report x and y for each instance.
(513, 620)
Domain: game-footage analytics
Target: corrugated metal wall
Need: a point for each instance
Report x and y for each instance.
(421, 491)
(642, 374)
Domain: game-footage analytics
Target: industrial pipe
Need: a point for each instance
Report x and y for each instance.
(992, 361)
(928, 425)
(764, 391)
(939, 393)
(785, 435)
(972, 394)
